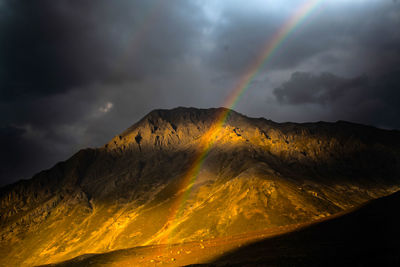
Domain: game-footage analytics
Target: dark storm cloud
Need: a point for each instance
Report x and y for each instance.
(352, 35)
(41, 46)
(355, 44)
(75, 73)
(63, 62)
(373, 101)
(325, 88)
(49, 47)
(20, 157)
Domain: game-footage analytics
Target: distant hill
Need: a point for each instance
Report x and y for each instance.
(258, 176)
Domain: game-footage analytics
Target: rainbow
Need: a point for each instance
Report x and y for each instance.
(208, 139)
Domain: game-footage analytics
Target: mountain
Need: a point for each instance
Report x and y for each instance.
(257, 176)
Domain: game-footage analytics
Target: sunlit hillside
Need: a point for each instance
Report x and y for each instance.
(140, 188)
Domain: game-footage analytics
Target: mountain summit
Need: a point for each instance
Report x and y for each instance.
(257, 175)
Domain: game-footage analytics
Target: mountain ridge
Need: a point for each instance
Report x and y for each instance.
(258, 175)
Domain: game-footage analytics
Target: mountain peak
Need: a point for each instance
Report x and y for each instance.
(184, 115)
(172, 127)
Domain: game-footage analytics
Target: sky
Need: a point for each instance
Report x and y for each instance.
(73, 74)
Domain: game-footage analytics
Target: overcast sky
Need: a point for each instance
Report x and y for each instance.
(75, 73)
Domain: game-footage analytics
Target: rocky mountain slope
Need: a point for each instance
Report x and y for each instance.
(365, 236)
(258, 175)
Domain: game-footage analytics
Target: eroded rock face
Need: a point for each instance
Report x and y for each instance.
(258, 174)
